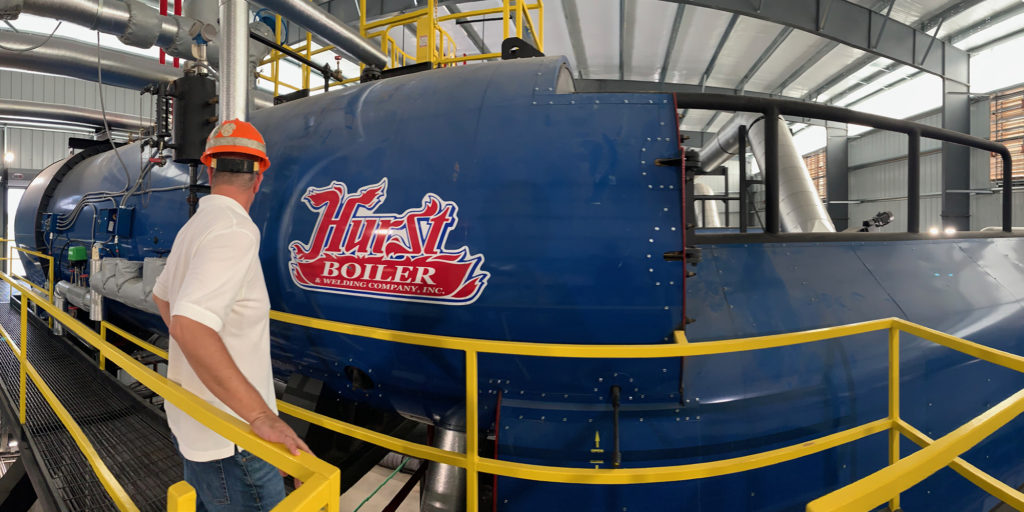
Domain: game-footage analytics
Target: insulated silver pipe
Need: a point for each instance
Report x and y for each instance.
(133, 22)
(800, 206)
(202, 10)
(69, 114)
(71, 58)
(234, 68)
(726, 142)
(333, 30)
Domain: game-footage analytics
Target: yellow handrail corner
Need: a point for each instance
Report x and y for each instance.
(181, 497)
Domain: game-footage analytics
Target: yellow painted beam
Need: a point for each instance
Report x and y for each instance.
(679, 473)
(999, 357)
(585, 351)
(986, 482)
(894, 404)
(877, 488)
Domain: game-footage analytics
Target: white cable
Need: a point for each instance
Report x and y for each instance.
(30, 48)
(103, 110)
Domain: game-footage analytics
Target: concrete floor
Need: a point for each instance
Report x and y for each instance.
(351, 499)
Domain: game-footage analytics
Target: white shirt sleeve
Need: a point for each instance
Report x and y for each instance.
(216, 277)
(160, 286)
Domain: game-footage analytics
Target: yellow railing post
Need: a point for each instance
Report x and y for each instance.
(277, 55)
(519, 19)
(505, 15)
(103, 336)
(23, 360)
(540, 24)
(472, 443)
(894, 404)
(181, 497)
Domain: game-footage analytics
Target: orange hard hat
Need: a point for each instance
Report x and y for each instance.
(238, 137)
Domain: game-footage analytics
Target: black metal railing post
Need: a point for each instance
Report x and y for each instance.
(1007, 192)
(913, 181)
(771, 171)
(743, 179)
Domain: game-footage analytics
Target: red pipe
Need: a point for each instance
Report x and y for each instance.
(177, 12)
(163, 12)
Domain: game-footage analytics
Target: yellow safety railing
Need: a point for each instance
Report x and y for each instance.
(434, 43)
(10, 258)
(437, 45)
(864, 495)
(322, 481)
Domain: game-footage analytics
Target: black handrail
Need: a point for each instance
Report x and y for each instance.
(773, 107)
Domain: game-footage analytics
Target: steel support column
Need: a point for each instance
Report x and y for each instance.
(956, 159)
(837, 183)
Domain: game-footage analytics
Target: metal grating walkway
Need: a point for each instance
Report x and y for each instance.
(132, 439)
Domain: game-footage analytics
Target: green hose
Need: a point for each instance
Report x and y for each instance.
(386, 480)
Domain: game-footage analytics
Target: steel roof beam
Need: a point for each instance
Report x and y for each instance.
(765, 55)
(627, 23)
(718, 50)
(807, 64)
(672, 38)
(954, 38)
(855, 26)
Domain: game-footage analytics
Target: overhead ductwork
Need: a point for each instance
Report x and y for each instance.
(133, 22)
(68, 57)
(69, 114)
(331, 29)
(800, 206)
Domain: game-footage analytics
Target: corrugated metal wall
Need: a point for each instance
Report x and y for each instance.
(878, 177)
(35, 149)
(17, 85)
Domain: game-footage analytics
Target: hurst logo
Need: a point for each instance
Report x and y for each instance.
(356, 251)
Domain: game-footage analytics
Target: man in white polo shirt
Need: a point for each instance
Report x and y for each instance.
(214, 300)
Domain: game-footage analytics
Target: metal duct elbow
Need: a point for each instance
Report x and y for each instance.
(726, 143)
(333, 30)
(800, 206)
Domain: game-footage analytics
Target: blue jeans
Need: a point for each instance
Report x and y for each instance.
(240, 483)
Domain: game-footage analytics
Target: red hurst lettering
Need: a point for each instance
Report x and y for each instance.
(356, 251)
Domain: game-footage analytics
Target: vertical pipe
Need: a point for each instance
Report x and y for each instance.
(744, 214)
(894, 403)
(22, 358)
(234, 57)
(771, 170)
(4, 184)
(472, 430)
(1007, 192)
(914, 181)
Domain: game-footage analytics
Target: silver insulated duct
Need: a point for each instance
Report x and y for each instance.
(800, 206)
(331, 29)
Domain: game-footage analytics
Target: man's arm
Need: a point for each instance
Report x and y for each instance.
(165, 310)
(212, 363)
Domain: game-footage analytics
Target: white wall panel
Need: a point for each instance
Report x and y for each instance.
(17, 85)
(36, 149)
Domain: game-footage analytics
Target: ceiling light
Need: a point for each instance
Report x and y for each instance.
(8, 157)
(13, 443)
(950, 231)
(934, 231)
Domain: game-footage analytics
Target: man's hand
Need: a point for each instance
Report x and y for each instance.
(271, 428)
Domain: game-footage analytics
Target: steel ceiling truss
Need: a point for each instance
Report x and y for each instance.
(856, 26)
